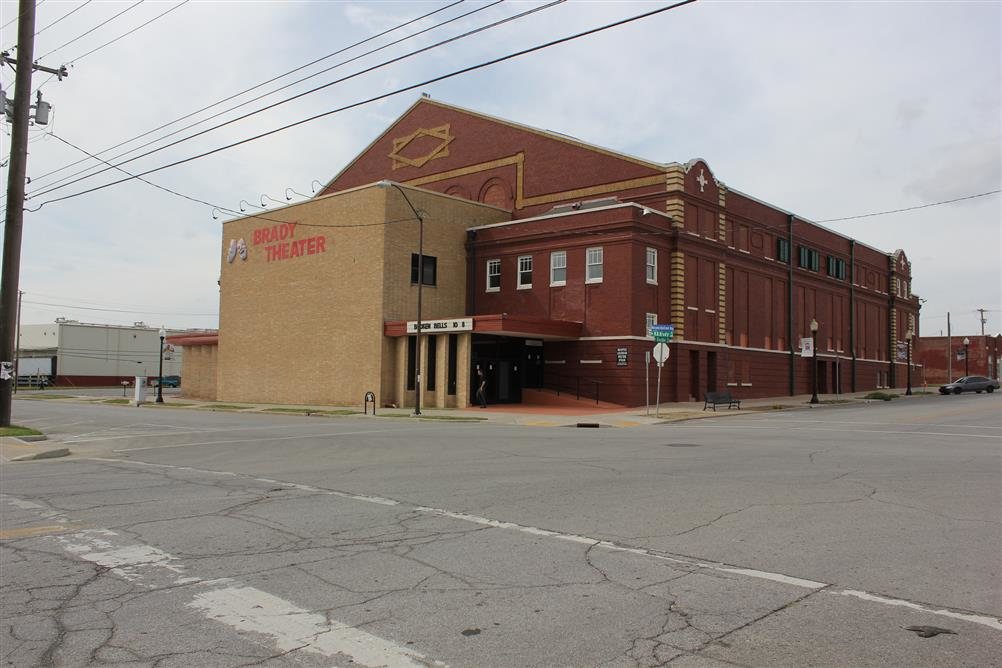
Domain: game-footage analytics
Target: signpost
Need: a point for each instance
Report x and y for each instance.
(661, 353)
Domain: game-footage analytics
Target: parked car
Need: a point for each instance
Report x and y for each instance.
(169, 381)
(977, 384)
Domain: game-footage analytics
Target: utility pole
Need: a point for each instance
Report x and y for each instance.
(983, 320)
(19, 118)
(15, 197)
(17, 350)
(949, 350)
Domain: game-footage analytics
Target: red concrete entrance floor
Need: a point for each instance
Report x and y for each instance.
(538, 409)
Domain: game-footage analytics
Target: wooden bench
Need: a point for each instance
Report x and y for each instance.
(715, 399)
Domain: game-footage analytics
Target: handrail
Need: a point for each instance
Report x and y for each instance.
(570, 384)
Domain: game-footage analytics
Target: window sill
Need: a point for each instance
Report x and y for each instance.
(493, 290)
(593, 281)
(525, 287)
(558, 284)
(650, 282)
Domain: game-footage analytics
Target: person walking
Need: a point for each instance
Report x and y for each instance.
(481, 388)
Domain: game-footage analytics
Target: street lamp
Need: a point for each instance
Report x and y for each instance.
(908, 339)
(967, 363)
(420, 282)
(814, 360)
(160, 384)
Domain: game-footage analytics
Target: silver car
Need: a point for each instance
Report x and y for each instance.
(977, 384)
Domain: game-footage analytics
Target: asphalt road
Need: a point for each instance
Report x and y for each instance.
(808, 537)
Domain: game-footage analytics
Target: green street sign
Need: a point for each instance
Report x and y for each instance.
(662, 337)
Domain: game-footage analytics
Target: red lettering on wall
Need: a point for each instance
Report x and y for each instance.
(296, 248)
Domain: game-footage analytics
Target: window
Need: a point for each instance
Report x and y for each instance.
(524, 272)
(651, 319)
(836, 267)
(558, 268)
(808, 258)
(493, 275)
(783, 250)
(411, 354)
(652, 266)
(431, 356)
(593, 265)
(430, 269)
(453, 348)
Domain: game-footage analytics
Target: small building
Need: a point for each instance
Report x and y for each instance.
(73, 353)
(944, 359)
(544, 262)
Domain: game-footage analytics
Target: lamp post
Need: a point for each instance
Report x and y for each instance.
(160, 384)
(814, 360)
(420, 282)
(908, 339)
(967, 362)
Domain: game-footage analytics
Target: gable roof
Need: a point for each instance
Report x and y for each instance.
(567, 139)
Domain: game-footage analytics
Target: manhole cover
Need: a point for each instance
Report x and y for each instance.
(682, 445)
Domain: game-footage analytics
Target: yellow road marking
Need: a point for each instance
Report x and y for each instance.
(28, 532)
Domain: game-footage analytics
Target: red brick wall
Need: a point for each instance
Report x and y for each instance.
(931, 352)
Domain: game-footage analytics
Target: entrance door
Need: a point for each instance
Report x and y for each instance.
(503, 360)
(822, 376)
(533, 366)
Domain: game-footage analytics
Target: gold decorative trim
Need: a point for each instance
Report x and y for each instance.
(677, 295)
(722, 303)
(521, 201)
(441, 133)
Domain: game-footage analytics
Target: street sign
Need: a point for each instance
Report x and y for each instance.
(661, 352)
(662, 333)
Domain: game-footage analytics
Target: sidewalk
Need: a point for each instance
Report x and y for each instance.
(515, 414)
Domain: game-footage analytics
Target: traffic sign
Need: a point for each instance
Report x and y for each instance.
(663, 333)
(661, 352)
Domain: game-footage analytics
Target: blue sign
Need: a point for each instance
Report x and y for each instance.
(662, 333)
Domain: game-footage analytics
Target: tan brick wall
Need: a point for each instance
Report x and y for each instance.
(309, 329)
(198, 373)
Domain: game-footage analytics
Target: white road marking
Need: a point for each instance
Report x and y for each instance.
(262, 440)
(984, 620)
(683, 425)
(881, 424)
(82, 438)
(287, 626)
(249, 609)
(609, 545)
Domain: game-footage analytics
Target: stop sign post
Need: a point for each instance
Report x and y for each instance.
(661, 352)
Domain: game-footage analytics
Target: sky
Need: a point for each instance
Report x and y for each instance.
(825, 109)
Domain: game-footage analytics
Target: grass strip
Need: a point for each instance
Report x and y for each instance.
(15, 430)
(229, 407)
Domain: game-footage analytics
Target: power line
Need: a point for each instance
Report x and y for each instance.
(247, 90)
(66, 15)
(37, 5)
(383, 96)
(61, 184)
(116, 310)
(350, 76)
(87, 32)
(223, 209)
(910, 208)
(139, 27)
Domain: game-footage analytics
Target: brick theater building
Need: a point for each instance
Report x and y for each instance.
(545, 262)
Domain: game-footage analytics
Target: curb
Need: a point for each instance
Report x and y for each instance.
(45, 454)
